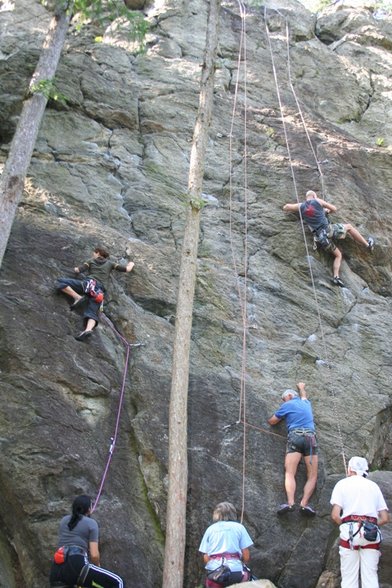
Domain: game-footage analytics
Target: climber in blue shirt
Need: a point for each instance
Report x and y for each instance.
(301, 443)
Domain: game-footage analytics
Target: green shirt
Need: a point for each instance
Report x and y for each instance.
(100, 269)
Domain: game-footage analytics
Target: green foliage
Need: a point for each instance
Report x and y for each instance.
(380, 141)
(197, 203)
(188, 200)
(102, 13)
(48, 89)
(384, 5)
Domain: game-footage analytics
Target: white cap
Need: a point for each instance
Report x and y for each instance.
(289, 391)
(359, 465)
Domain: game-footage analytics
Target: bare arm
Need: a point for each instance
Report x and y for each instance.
(245, 554)
(335, 514)
(291, 207)
(327, 205)
(383, 517)
(94, 553)
(273, 420)
(301, 390)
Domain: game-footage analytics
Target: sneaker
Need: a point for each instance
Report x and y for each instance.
(338, 282)
(370, 245)
(283, 508)
(83, 335)
(308, 511)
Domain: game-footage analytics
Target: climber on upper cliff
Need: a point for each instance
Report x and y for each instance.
(301, 442)
(78, 545)
(314, 212)
(92, 288)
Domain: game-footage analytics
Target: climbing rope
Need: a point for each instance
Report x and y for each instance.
(242, 291)
(113, 439)
(322, 336)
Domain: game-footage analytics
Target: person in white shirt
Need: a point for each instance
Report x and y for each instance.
(356, 504)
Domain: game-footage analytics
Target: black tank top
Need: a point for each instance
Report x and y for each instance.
(313, 214)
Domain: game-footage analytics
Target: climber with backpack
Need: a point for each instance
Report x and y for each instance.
(314, 213)
(90, 291)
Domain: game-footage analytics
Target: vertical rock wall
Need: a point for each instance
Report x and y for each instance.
(110, 167)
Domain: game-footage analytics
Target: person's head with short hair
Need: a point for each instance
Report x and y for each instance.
(310, 194)
(289, 394)
(101, 252)
(224, 511)
(358, 466)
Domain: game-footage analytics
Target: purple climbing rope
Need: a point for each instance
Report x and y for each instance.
(113, 439)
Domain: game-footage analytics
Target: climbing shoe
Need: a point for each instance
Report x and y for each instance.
(338, 282)
(370, 245)
(283, 508)
(307, 511)
(83, 335)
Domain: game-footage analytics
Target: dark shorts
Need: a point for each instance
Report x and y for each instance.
(91, 309)
(235, 578)
(304, 442)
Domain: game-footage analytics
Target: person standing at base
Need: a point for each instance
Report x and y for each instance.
(226, 542)
(77, 546)
(301, 443)
(359, 508)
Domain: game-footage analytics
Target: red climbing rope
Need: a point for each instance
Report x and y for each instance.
(113, 439)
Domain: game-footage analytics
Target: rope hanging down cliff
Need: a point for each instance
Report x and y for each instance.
(326, 361)
(113, 439)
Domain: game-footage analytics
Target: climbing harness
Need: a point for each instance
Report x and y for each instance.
(113, 439)
(92, 289)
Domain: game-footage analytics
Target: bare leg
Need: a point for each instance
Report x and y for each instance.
(87, 331)
(71, 292)
(356, 235)
(291, 464)
(90, 325)
(311, 472)
(337, 261)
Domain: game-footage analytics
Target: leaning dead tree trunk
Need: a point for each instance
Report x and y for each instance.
(173, 572)
(15, 169)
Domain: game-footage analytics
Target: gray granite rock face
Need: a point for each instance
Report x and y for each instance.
(111, 167)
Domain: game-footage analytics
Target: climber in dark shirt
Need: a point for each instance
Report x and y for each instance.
(92, 288)
(314, 213)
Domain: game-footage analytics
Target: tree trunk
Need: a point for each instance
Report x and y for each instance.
(173, 572)
(15, 169)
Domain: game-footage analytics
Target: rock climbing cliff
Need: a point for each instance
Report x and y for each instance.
(110, 168)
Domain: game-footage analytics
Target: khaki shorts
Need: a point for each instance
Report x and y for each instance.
(337, 231)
